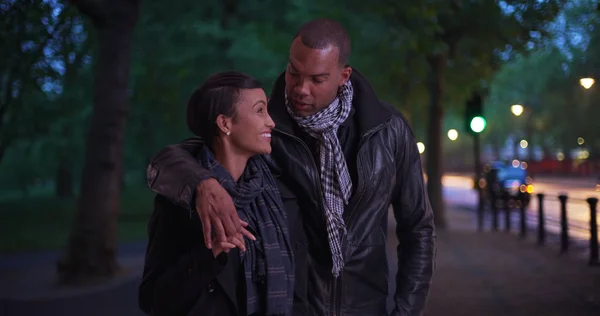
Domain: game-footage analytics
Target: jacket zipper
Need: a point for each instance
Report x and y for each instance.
(335, 302)
(334, 305)
(336, 295)
(366, 137)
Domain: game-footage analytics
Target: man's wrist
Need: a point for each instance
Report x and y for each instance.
(192, 202)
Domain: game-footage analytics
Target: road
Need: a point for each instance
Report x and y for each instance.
(458, 190)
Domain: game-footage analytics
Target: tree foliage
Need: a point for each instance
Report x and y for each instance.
(546, 81)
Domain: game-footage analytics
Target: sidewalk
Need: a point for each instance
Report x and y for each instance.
(28, 287)
(478, 274)
(493, 274)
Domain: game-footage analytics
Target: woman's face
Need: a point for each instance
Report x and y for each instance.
(251, 124)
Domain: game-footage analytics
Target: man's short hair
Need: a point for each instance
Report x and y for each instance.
(321, 33)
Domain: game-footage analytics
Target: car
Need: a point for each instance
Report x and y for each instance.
(507, 181)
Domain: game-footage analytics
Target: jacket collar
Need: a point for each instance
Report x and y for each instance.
(368, 110)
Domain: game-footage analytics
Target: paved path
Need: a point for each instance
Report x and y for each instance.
(27, 287)
(491, 274)
(485, 274)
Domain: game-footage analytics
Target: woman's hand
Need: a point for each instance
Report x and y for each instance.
(226, 246)
(218, 214)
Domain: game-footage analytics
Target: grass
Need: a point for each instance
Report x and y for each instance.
(45, 222)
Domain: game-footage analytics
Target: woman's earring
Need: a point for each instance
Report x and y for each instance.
(228, 133)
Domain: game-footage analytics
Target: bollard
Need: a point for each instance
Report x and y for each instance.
(564, 224)
(594, 260)
(507, 212)
(541, 221)
(523, 220)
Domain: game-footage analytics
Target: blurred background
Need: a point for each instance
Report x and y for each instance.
(90, 91)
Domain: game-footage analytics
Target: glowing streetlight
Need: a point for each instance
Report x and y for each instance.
(580, 141)
(453, 134)
(524, 144)
(516, 163)
(421, 147)
(586, 82)
(517, 109)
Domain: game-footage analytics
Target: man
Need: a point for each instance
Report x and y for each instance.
(342, 156)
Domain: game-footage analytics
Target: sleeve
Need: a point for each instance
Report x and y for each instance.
(175, 172)
(415, 227)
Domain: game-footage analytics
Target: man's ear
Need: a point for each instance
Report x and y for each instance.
(346, 73)
(224, 124)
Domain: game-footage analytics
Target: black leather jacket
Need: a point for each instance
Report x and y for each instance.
(389, 172)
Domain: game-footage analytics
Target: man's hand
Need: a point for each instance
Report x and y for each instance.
(217, 211)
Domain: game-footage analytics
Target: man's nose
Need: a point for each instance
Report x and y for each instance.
(302, 88)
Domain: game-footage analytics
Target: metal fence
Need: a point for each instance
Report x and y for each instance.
(506, 207)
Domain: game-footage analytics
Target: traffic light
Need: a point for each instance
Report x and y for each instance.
(474, 120)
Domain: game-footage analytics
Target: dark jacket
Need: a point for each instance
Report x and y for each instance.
(388, 170)
(181, 276)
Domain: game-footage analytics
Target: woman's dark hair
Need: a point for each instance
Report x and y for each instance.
(219, 94)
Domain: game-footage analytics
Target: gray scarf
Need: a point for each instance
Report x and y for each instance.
(268, 262)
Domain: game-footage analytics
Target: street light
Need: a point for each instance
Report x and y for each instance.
(421, 147)
(586, 82)
(453, 134)
(517, 109)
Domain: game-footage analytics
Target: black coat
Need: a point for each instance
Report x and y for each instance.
(181, 276)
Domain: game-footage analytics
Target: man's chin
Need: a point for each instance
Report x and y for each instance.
(303, 110)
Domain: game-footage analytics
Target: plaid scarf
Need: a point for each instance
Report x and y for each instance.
(335, 179)
(268, 261)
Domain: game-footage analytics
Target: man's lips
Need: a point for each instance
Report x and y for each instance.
(301, 104)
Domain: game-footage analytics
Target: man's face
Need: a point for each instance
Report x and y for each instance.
(312, 78)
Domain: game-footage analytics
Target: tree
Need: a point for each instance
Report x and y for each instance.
(28, 29)
(546, 81)
(463, 41)
(91, 252)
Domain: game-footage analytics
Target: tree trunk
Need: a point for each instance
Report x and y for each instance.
(64, 178)
(497, 148)
(437, 64)
(91, 253)
(3, 147)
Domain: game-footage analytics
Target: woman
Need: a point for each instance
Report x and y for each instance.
(182, 276)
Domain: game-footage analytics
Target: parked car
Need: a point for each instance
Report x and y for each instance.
(502, 180)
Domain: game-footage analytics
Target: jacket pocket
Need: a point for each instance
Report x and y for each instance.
(366, 280)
